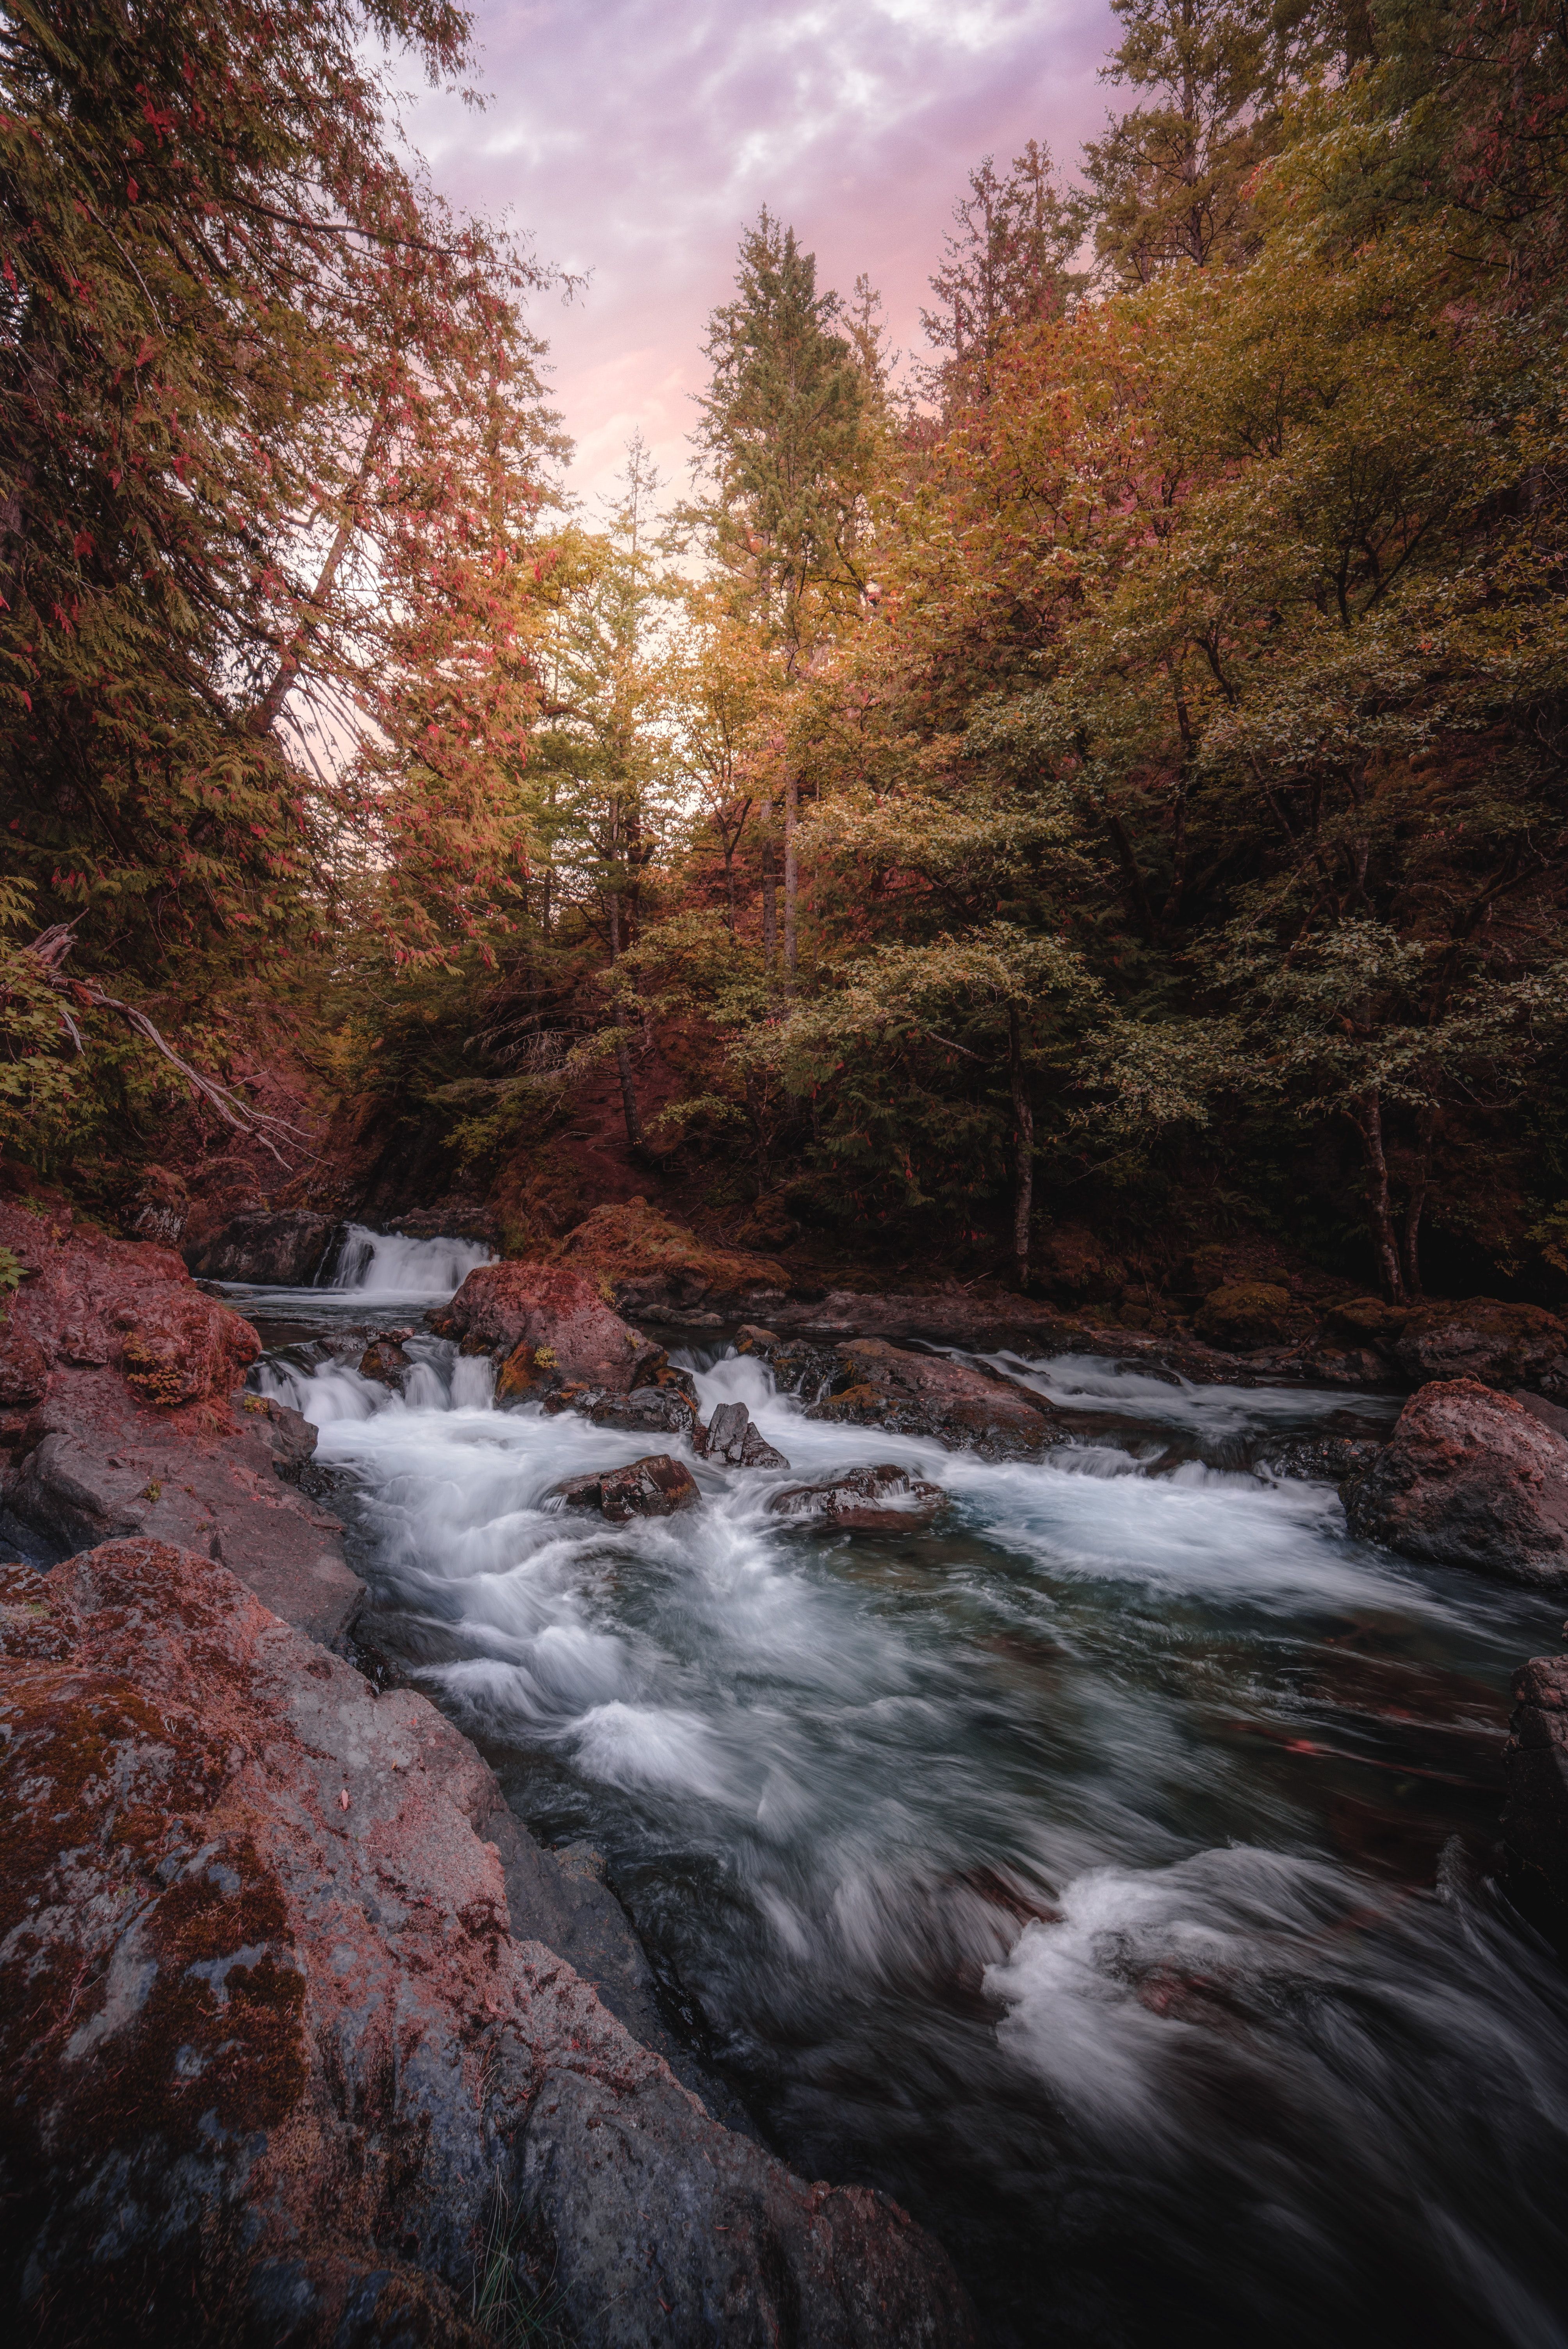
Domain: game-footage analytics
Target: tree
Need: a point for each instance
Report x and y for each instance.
(270, 417)
(1007, 268)
(1170, 182)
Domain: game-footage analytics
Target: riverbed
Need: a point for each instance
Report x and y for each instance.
(1108, 1873)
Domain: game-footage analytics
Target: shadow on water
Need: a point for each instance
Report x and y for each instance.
(1107, 1872)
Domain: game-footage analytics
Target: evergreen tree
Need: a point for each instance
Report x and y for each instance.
(1006, 268)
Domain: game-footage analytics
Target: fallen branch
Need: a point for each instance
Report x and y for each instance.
(50, 950)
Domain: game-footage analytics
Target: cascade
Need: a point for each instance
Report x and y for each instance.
(1105, 1871)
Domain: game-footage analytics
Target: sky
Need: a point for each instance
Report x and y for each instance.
(631, 141)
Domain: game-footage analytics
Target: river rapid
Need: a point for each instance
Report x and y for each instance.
(1107, 1873)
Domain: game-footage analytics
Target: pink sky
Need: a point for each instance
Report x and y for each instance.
(634, 137)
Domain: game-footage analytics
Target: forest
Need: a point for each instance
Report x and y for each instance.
(1103, 771)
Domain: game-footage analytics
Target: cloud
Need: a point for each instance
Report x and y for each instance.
(634, 139)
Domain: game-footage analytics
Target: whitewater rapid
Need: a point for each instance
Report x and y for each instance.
(1105, 1871)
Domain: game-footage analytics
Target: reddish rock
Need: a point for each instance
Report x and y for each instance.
(882, 1500)
(271, 2057)
(658, 1486)
(97, 1302)
(134, 1429)
(878, 1385)
(385, 1361)
(548, 1326)
(1470, 1478)
(23, 1369)
(1480, 1338)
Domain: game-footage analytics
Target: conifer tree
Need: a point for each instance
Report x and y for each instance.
(1007, 267)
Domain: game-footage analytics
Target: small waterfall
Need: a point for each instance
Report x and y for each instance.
(386, 1265)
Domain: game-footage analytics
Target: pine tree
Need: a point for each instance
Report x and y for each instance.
(1006, 268)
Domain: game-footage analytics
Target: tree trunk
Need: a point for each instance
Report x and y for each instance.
(265, 715)
(769, 896)
(791, 809)
(1023, 1151)
(1415, 1205)
(623, 1056)
(1379, 1206)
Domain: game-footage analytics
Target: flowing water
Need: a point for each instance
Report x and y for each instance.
(1107, 1872)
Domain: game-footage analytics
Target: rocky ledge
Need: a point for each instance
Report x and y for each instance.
(281, 2064)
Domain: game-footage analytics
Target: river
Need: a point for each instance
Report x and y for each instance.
(1107, 1873)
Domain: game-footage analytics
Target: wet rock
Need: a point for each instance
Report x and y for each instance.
(733, 1441)
(1249, 1314)
(288, 1435)
(877, 1385)
(385, 1361)
(1480, 1338)
(285, 1249)
(1361, 1367)
(548, 1327)
(799, 1366)
(1469, 1478)
(654, 1372)
(658, 1486)
(882, 1500)
(1535, 1816)
(273, 2053)
(1322, 1459)
(657, 1410)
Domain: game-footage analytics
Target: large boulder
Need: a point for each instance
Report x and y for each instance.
(1470, 1478)
(275, 2068)
(120, 1418)
(882, 1500)
(1480, 1338)
(548, 1327)
(878, 1385)
(285, 1249)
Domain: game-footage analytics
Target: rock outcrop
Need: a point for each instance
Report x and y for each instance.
(1535, 1816)
(656, 1268)
(658, 1486)
(878, 1385)
(285, 1249)
(882, 1500)
(275, 2068)
(1468, 1478)
(548, 1328)
(121, 1419)
(1247, 1314)
(1479, 1338)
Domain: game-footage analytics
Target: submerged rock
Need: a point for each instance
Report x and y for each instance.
(1468, 1478)
(276, 2068)
(878, 1385)
(733, 1441)
(882, 1500)
(548, 1327)
(658, 1486)
(286, 1249)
